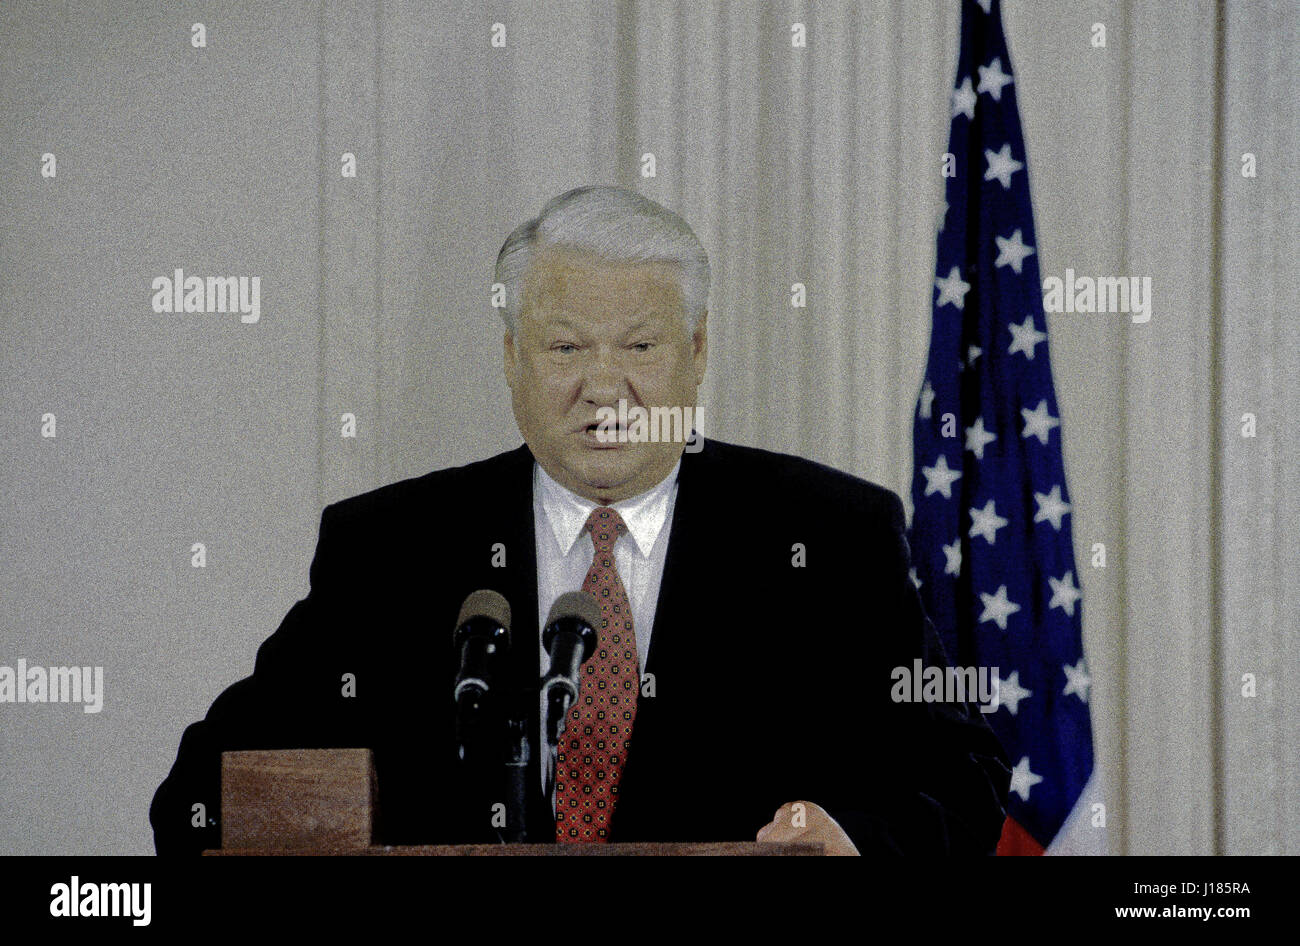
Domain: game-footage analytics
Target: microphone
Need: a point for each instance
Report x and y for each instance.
(570, 639)
(482, 637)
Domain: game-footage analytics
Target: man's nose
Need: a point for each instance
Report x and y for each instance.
(603, 378)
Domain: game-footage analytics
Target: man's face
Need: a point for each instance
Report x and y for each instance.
(591, 333)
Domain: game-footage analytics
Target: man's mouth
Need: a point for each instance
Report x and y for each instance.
(596, 425)
(600, 435)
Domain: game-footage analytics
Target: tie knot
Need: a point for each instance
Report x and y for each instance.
(606, 525)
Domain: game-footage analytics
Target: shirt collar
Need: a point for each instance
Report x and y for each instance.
(567, 512)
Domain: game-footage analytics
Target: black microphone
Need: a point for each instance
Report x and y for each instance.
(482, 637)
(570, 638)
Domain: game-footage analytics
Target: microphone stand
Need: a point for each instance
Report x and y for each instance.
(516, 779)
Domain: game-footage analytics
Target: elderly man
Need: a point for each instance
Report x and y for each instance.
(753, 605)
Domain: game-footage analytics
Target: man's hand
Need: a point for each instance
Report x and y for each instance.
(806, 822)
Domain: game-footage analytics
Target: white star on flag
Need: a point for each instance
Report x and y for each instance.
(997, 607)
(977, 437)
(1050, 507)
(1011, 252)
(1024, 337)
(992, 79)
(952, 556)
(972, 353)
(1077, 680)
(1010, 692)
(1023, 780)
(986, 522)
(952, 289)
(1064, 593)
(964, 99)
(1038, 423)
(1001, 166)
(939, 479)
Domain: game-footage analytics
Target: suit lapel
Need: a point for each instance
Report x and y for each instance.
(677, 627)
(676, 598)
(518, 580)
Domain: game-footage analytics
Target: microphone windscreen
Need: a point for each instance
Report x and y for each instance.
(577, 604)
(486, 604)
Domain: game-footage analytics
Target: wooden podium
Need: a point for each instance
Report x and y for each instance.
(322, 802)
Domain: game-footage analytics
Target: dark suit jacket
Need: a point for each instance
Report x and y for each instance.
(772, 681)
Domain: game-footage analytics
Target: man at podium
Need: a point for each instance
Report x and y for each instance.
(752, 606)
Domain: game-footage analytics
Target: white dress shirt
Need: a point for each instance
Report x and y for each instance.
(559, 515)
(565, 551)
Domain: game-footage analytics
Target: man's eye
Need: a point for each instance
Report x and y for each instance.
(642, 347)
(564, 348)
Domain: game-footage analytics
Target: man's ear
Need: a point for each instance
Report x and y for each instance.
(700, 338)
(508, 345)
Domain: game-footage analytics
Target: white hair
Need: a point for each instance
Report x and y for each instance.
(616, 225)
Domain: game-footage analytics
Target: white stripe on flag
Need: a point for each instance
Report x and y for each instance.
(1078, 836)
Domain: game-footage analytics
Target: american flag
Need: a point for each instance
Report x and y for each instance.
(991, 511)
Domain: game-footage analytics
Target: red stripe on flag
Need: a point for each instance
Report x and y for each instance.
(1017, 842)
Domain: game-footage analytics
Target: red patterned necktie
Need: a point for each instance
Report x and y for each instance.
(593, 750)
